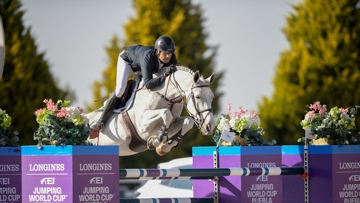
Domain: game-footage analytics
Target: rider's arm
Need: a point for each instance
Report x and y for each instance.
(146, 70)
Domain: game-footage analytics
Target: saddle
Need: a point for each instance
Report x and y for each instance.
(137, 144)
(120, 103)
(130, 85)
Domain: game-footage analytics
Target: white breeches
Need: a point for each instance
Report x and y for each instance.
(123, 72)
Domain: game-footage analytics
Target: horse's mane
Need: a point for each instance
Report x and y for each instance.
(183, 68)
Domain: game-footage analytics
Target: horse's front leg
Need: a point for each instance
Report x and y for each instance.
(177, 130)
(155, 122)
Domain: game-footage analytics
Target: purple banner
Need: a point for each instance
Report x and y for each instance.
(10, 175)
(261, 189)
(70, 174)
(47, 179)
(346, 175)
(95, 177)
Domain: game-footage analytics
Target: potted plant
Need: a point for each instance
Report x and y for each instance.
(337, 125)
(245, 126)
(61, 124)
(10, 155)
(7, 137)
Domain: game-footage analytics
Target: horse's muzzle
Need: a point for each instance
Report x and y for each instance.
(208, 130)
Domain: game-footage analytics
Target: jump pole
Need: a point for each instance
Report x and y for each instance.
(204, 173)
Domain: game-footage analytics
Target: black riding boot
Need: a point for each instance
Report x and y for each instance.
(111, 103)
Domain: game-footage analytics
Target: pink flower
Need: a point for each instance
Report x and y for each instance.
(80, 110)
(311, 114)
(37, 112)
(229, 109)
(318, 107)
(50, 105)
(344, 110)
(61, 113)
(242, 111)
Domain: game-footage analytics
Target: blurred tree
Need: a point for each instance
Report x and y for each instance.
(27, 79)
(322, 64)
(183, 21)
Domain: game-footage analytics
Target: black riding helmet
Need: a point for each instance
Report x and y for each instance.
(165, 44)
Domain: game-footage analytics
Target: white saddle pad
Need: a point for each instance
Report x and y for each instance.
(130, 101)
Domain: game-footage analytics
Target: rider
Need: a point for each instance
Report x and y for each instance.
(148, 60)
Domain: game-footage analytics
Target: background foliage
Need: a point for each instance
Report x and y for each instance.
(322, 64)
(27, 79)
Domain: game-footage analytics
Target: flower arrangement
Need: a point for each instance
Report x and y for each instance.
(338, 124)
(7, 137)
(245, 125)
(61, 124)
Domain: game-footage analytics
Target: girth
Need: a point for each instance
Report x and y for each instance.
(137, 144)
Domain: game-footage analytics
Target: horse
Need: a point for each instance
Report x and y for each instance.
(153, 119)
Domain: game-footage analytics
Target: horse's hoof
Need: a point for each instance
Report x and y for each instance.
(160, 152)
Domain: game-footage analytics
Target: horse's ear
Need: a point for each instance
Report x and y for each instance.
(211, 78)
(196, 76)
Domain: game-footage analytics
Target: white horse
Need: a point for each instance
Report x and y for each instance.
(153, 120)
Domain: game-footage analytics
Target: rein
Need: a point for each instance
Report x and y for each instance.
(198, 118)
(173, 101)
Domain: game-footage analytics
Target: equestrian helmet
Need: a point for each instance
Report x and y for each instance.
(165, 44)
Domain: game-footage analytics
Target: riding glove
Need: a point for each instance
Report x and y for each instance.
(171, 69)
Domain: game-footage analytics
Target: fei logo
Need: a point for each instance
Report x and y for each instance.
(96, 180)
(354, 178)
(47, 181)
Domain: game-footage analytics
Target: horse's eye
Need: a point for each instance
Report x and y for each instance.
(197, 97)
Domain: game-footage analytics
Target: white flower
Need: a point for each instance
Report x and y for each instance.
(224, 124)
(251, 119)
(71, 112)
(307, 117)
(233, 122)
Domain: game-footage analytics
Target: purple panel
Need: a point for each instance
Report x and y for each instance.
(95, 178)
(10, 176)
(203, 188)
(256, 189)
(153, 172)
(47, 179)
(320, 177)
(293, 185)
(230, 186)
(346, 175)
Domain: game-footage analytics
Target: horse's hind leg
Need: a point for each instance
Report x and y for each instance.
(177, 130)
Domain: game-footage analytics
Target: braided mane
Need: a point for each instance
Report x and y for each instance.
(183, 68)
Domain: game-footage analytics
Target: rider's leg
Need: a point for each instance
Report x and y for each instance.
(123, 73)
(111, 103)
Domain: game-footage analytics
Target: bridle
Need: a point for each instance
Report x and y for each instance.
(198, 117)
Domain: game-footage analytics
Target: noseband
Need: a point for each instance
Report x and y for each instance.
(198, 118)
